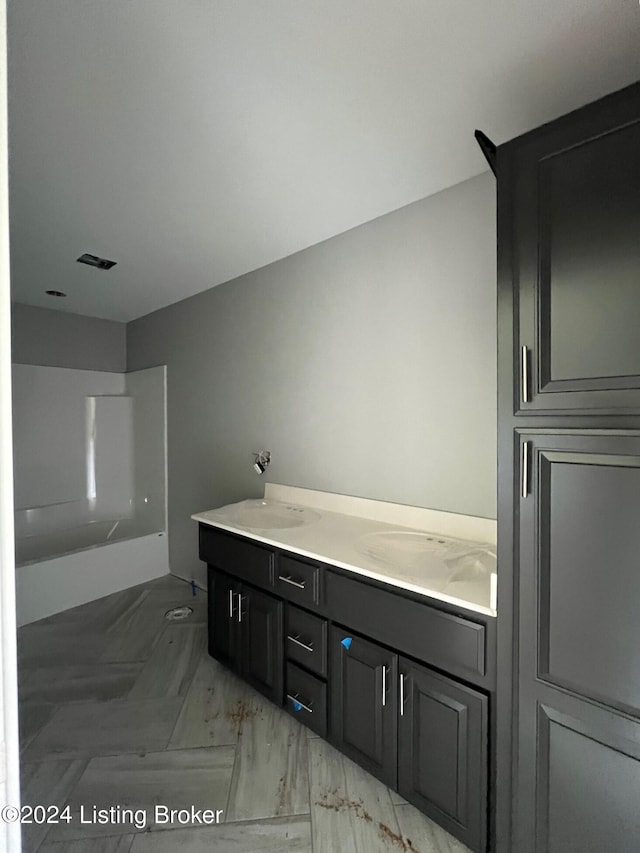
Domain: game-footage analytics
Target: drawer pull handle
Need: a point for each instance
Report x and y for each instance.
(298, 642)
(288, 579)
(298, 705)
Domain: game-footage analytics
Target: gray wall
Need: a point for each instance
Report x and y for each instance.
(365, 364)
(58, 339)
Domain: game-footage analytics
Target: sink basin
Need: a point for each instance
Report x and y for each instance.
(271, 515)
(428, 556)
(403, 548)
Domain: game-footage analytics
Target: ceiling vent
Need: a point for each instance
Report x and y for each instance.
(95, 261)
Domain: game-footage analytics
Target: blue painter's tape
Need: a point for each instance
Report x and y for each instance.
(297, 706)
(347, 642)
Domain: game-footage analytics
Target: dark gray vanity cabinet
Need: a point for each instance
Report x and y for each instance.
(363, 703)
(574, 247)
(415, 729)
(568, 703)
(245, 632)
(365, 686)
(442, 755)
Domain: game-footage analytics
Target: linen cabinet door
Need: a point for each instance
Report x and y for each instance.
(578, 688)
(575, 196)
(260, 621)
(363, 713)
(222, 600)
(442, 751)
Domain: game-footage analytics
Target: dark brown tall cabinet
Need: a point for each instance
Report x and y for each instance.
(568, 732)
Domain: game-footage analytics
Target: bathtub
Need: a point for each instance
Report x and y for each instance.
(68, 555)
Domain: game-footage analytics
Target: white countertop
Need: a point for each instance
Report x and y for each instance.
(464, 574)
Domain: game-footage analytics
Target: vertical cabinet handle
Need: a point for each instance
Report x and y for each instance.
(230, 604)
(524, 468)
(384, 685)
(524, 374)
(402, 694)
(240, 600)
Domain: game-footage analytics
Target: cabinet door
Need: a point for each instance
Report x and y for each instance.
(260, 620)
(223, 599)
(578, 684)
(575, 259)
(442, 751)
(363, 701)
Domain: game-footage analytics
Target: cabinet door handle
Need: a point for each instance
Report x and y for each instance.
(288, 579)
(296, 701)
(524, 374)
(402, 694)
(230, 604)
(298, 642)
(524, 469)
(384, 685)
(240, 600)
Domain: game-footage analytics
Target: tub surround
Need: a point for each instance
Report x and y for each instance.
(342, 533)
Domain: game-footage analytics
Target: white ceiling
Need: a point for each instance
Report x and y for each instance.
(195, 140)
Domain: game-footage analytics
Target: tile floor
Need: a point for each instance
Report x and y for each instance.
(121, 709)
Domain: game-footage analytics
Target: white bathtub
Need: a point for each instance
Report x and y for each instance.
(36, 547)
(65, 557)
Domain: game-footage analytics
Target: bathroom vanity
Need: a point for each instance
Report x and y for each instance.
(380, 638)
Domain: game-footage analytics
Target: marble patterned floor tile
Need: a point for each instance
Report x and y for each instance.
(350, 809)
(111, 844)
(133, 635)
(270, 776)
(32, 717)
(172, 664)
(82, 682)
(101, 613)
(276, 835)
(42, 644)
(106, 728)
(381, 832)
(46, 783)
(333, 827)
(177, 779)
(424, 834)
(215, 707)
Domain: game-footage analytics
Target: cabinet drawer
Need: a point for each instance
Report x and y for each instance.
(449, 642)
(298, 581)
(306, 699)
(240, 558)
(306, 639)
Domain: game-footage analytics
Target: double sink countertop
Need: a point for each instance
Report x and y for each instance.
(441, 555)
